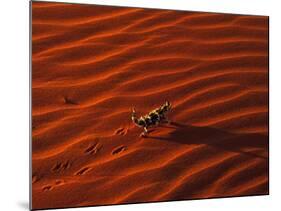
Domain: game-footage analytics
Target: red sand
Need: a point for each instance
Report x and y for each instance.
(92, 64)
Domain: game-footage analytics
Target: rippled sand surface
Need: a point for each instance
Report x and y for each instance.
(92, 64)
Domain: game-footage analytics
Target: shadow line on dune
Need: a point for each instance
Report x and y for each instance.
(187, 134)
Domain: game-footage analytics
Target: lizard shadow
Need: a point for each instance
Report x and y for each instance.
(224, 140)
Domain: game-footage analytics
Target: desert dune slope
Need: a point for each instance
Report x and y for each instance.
(92, 64)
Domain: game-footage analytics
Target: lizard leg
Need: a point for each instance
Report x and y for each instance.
(143, 134)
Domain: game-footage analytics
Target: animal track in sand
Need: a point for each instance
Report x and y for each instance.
(47, 188)
(61, 166)
(83, 171)
(70, 101)
(121, 131)
(119, 150)
(93, 149)
(52, 186)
